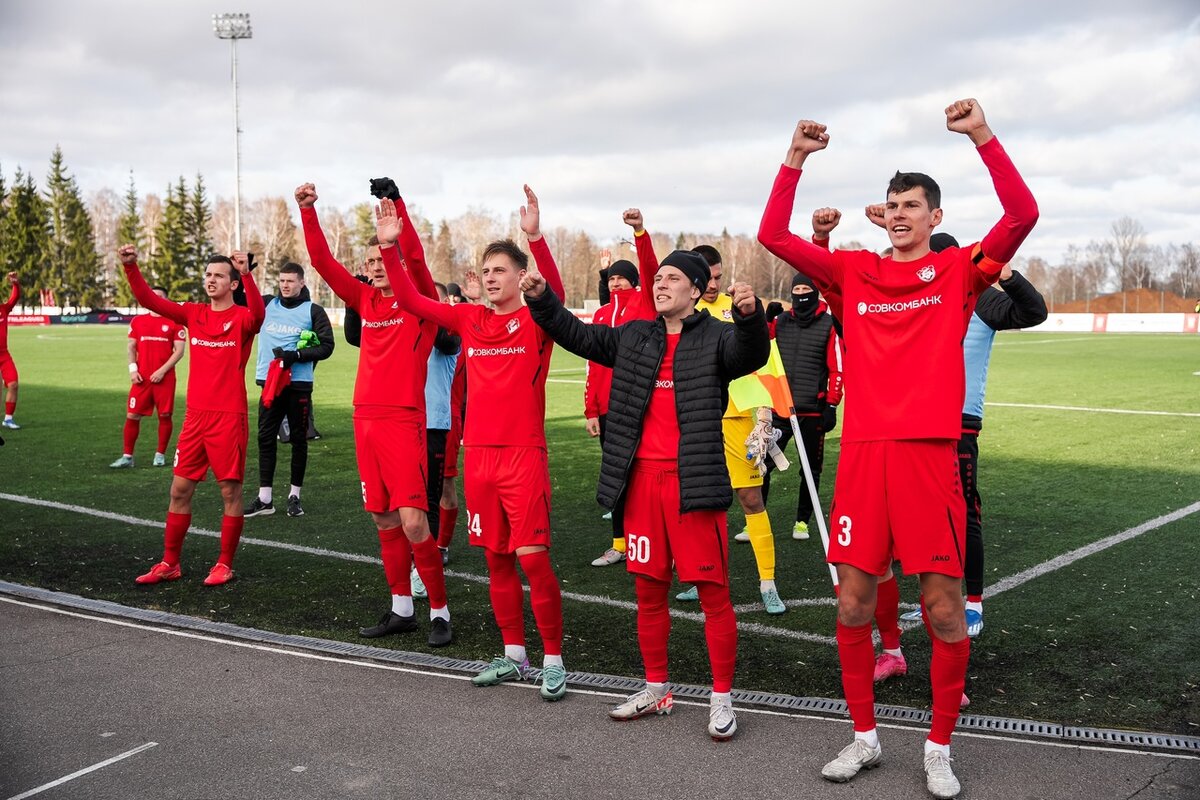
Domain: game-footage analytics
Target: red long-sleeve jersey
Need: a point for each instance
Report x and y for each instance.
(507, 356)
(6, 309)
(904, 322)
(394, 351)
(220, 342)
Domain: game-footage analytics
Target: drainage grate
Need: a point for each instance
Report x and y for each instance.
(818, 705)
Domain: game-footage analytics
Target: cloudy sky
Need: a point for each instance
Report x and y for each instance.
(681, 107)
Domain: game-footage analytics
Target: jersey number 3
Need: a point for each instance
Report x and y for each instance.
(844, 533)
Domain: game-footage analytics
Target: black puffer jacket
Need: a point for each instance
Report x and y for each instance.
(709, 355)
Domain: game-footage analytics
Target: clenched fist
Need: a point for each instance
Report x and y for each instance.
(127, 254)
(875, 213)
(824, 220)
(633, 218)
(306, 195)
(966, 116)
(743, 298)
(533, 284)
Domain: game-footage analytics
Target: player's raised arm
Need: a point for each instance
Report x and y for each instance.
(13, 294)
(413, 253)
(1020, 209)
(774, 233)
(748, 346)
(142, 291)
(597, 343)
(531, 222)
(337, 276)
(647, 260)
(254, 299)
(387, 229)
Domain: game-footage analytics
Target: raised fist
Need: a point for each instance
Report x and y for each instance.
(824, 220)
(127, 254)
(241, 260)
(533, 284)
(743, 298)
(875, 213)
(966, 116)
(12, 278)
(633, 218)
(306, 195)
(809, 137)
(385, 187)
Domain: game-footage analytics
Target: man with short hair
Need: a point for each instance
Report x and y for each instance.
(214, 433)
(155, 347)
(665, 458)
(296, 334)
(505, 468)
(389, 424)
(8, 368)
(744, 474)
(898, 491)
(629, 290)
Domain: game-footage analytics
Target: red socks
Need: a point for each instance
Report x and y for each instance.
(856, 653)
(447, 517)
(720, 630)
(177, 528)
(653, 626)
(947, 674)
(428, 559)
(396, 553)
(887, 613)
(164, 434)
(129, 435)
(546, 598)
(231, 534)
(508, 597)
(10, 408)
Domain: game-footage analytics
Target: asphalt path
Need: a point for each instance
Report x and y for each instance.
(234, 721)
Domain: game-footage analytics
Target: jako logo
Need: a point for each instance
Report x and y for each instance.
(908, 305)
(275, 327)
(209, 343)
(940, 558)
(513, 325)
(927, 273)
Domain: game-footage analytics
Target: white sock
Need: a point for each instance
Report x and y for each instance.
(871, 737)
(164, 455)
(8, 417)
(895, 652)
(294, 491)
(766, 586)
(657, 689)
(975, 607)
(127, 455)
(930, 747)
(439, 613)
(548, 659)
(402, 605)
(720, 699)
(515, 652)
(264, 494)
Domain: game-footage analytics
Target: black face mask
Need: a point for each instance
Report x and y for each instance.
(804, 306)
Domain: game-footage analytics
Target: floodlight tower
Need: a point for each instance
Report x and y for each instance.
(234, 27)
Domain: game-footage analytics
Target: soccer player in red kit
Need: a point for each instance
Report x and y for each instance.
(506, 476)
(897, 492)
(155, 346)
(214, 432)
(8, 369)
(389, 422)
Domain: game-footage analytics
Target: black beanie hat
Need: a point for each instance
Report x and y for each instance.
(691, 264)
(940, 241)
(454, 290)
(800, 279)
(625, 269)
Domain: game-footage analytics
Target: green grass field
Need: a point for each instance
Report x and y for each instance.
(1108, 640)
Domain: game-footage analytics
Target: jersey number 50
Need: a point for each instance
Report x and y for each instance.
(637, 549)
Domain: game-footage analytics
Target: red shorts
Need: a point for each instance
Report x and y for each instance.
(453, 442)
(8, 368)
(390, 448)
(214, 439)
(144, 397)
(657, 535)
(899, 499)
(507, 497)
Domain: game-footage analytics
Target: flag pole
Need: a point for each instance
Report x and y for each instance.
(812, 492)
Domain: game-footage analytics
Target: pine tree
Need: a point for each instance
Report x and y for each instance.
(74, 270)
(129, 231)
(25, 236)
(199, 220)
(170, 264)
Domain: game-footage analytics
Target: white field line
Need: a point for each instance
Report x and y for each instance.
(626, 605)
(1098, 410)
(565, 380)
(83, 771)
(432, 673)
(1005, 342)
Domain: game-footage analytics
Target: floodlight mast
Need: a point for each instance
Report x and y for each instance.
(234, 27)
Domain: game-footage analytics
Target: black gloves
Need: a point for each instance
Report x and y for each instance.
(385, 187)
(288, 357)
(828, 416)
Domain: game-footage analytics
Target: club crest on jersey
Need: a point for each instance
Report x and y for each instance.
(927, 273)
(227, 326)
(164, 328)
(513, 325)
(395, 304)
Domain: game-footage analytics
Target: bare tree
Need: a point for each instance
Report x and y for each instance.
(221, 230)
(104, 208)
(152, 214)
